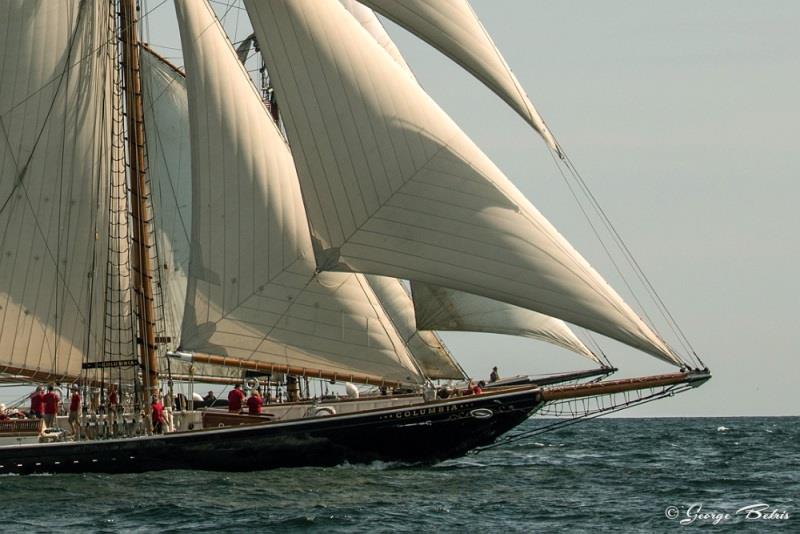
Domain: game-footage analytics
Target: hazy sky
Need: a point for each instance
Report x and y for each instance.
(682, 117)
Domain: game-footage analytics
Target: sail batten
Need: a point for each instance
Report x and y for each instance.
(253, 293)
(364, 134)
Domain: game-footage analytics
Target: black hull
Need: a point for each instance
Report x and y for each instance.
(424, 433)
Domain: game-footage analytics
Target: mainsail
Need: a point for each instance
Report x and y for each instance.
(55, 161)
(253, 293)
(452, 27)
(394, 187)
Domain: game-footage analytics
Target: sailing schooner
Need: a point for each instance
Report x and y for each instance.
(160, 225)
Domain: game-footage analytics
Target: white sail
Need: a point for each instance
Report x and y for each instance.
(439, 308)
(392, 186)
(369, 21)
(169, 165)
(446, 309)
(166, 114)
(426, 347)
(55, 151)
(253, 292)
(452, 27)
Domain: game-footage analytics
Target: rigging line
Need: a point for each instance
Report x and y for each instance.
(600, 239)
(368, 290)
(78, 62)
(632, 259)
(596, 343)
(669, 392)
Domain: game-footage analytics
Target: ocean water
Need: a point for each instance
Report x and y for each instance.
(606, 475)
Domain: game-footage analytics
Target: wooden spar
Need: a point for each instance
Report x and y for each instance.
(142, 266)
(19, 374)
(270, 368)
(37, 376)
(694, 378)
(206, 379)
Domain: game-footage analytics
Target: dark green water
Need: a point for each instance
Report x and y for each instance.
(608, 475)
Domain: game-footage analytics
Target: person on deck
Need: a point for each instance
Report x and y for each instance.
(157, 411)
(51, 400)
(254, 403)
(477, 389)
(169, 406)
(494, 376)
(113, 406)
(74, 411)
(235, 399)
(37, 403)
(209, 399)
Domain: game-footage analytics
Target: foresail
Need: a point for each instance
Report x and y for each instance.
(426, 347)
(452, 27)
(253, 293)
(440, 308)
(392, 186)
(56, 63)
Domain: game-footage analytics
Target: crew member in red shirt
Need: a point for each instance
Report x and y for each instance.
(235, 399)
(51, 400)
(37, 403)
(158, 415)
(254, 403)
(113, 404)
(74, 410)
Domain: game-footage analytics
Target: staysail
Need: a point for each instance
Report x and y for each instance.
(253, 293)
(393, 186)
(426, 347)
(452, 27)
(440, 308)
(56, 65)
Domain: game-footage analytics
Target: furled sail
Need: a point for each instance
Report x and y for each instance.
(452, 27)
(439, 308)
(426, 347)
(393, 186)
(253, 293)
(56, 64)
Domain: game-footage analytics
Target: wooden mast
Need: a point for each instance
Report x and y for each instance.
(142, 265)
